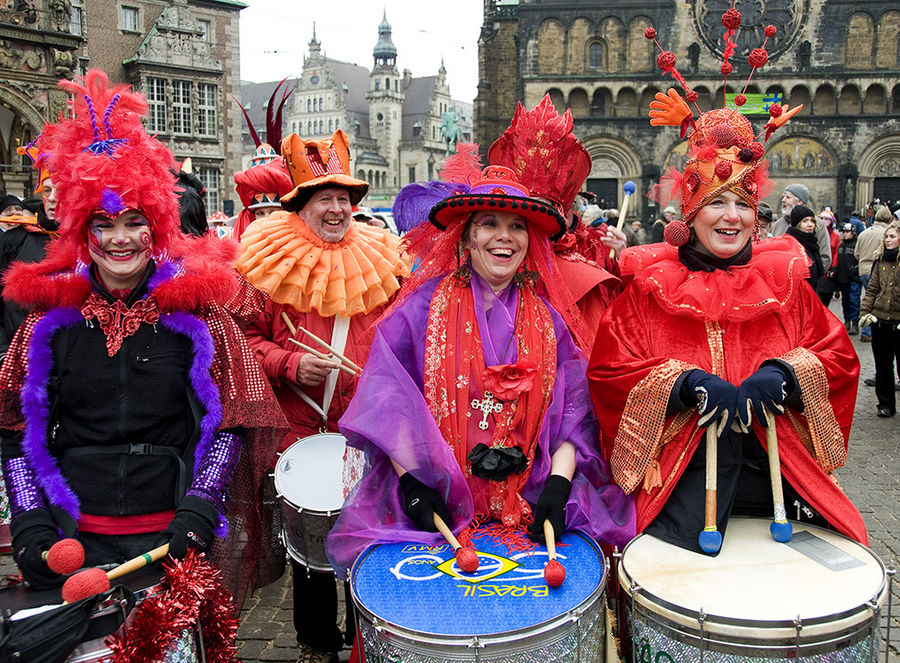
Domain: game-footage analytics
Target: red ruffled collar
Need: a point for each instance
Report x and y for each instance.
(766, 284)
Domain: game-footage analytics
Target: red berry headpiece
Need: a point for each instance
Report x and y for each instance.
(724, 152)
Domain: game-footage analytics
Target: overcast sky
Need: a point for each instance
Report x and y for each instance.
(275, 35)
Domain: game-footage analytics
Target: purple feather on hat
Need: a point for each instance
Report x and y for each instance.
(414, 201)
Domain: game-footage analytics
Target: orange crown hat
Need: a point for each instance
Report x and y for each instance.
(724, 154)
(314, 164)
(104, 162)
(541, 149)
(38, 159)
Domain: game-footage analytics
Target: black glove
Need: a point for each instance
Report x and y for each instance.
(768, 387)
(551, 506)
(33, 533)
(420, 503)
(192, 527)
(716, 398)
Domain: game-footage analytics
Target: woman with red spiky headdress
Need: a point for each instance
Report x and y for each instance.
(720, 329)
(482, 323)
(129, 362)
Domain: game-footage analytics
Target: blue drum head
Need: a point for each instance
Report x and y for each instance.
(420, 588)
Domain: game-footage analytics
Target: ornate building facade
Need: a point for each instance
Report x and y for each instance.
(39, 42)
(183, 55)
(839, 58)
(394, 120)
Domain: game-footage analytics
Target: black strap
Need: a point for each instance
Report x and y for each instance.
(138, 449)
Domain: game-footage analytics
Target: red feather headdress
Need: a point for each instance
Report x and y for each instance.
(103, 161)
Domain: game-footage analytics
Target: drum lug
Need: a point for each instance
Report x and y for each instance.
(890, 572)
(798, 625)
(476, 645)
(701, 620)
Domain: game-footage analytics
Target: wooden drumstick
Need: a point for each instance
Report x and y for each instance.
(554, 572)
(330, 349)
(629, 191)
(780, 529)
(710, 539)
(322, 355)
(466, 558)
(95, 581)
(290, 325)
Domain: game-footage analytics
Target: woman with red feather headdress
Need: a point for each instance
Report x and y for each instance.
(717, 329)
(128, 362)
(481, 321)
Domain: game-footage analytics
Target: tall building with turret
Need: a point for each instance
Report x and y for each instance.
(392, 118)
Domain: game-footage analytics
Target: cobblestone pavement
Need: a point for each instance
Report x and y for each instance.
(871, 478)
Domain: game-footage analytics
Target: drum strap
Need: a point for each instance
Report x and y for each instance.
(338, 342)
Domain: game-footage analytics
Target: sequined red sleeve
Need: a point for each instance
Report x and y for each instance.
(12, 375)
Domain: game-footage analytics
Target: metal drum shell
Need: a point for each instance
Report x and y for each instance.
(764, 638)
(304, 528)
(583, 625)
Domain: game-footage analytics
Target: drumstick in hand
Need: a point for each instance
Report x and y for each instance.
(466, 558)
(554, 572)
(780, 529)
(710, 538)
(629, 191)
(96, 581)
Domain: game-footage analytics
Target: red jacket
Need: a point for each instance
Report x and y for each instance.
(268, 337)
(728, 323)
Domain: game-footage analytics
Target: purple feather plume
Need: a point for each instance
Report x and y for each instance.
(415, 200)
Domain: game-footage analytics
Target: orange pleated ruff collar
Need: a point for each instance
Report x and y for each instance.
(281, 256)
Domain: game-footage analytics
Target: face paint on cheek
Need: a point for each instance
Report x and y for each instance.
(145, 239)
(94, 244)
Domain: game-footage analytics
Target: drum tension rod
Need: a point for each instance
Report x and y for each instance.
(701, 619)
(635, 590)
(798, 624)
(891, 571)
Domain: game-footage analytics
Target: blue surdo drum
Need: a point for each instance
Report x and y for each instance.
(415, 604)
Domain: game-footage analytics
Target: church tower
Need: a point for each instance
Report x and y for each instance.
(385, 97)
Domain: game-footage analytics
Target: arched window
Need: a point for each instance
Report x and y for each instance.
(387, 83)
(337, 124)
(595, 55)
(321, 106)
(329, 126)
(308, 105)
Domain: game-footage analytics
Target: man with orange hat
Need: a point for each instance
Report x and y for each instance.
(27, 242)
(332, 277)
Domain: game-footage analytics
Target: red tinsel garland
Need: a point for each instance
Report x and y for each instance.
(192, 595)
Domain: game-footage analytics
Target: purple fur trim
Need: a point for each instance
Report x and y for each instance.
(36, 408)
(165, 271)
(111, 202)
(204, 387)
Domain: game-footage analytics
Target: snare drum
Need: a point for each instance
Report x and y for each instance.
(109, 616)
(815, 598)
(414, 604)
(310, 487)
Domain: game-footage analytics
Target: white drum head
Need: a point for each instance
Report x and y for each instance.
(818, 574)
(309, 473)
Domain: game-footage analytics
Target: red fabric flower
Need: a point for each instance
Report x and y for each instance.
(771, 30)
(723, 170)
(758, 57)
(650, 33)
(731, 19)
(507, 381)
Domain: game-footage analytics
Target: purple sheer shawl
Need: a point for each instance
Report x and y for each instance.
(388, 418)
